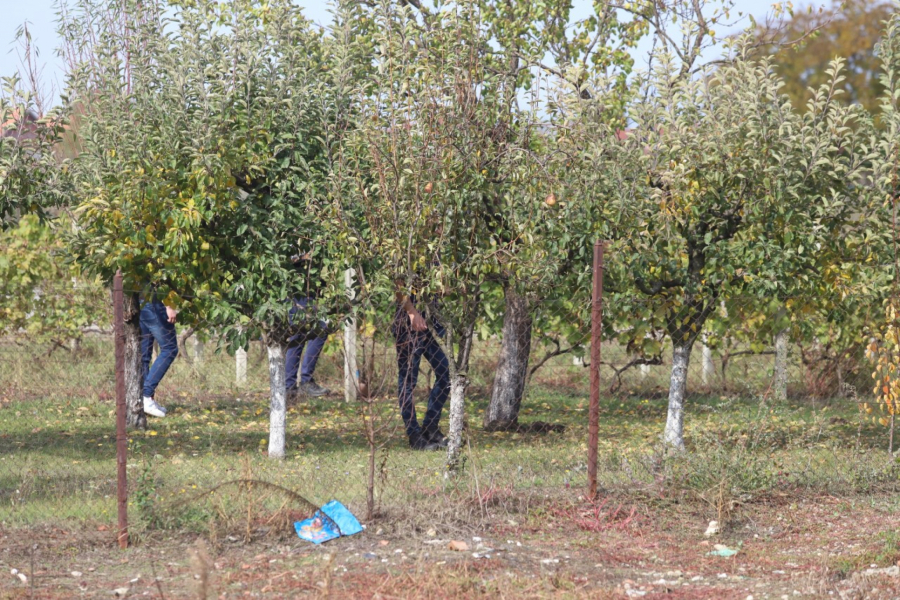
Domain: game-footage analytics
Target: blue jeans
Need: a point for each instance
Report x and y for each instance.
(155, 326)
(411, 347)
(313, 344)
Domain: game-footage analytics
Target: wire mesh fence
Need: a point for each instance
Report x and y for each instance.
(777, 395)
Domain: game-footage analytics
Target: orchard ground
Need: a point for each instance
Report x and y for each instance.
(804, 490)
(813, 547)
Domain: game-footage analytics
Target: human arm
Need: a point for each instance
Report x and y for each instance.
(416, 320)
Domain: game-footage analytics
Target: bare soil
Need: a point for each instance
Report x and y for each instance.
(814, 547)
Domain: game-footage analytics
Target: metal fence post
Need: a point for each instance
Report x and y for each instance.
(121, 435)
(596, 334)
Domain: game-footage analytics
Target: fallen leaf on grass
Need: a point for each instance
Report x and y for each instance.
(458, 546)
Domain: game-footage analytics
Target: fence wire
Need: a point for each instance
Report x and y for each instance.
(775, 399)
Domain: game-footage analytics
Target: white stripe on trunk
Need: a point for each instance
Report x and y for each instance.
(458, 385)
(674, 432)
(277, 406)
(240, 366)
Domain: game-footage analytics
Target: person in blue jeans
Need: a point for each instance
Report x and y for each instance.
(313, 343)
(414, 341)
(157, 324)
(313, 336)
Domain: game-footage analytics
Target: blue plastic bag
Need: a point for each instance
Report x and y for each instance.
(329, 522)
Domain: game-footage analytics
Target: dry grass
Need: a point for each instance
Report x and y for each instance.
(812, 547)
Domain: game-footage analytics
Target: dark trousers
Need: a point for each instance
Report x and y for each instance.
(155, 326)
(312, 342)
(411, 347)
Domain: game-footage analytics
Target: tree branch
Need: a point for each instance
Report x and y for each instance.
(551, 354)
(658, 285)
(656, 360)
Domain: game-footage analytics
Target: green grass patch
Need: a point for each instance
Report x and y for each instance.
(57, 449)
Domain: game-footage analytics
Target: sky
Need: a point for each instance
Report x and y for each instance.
(41, 15)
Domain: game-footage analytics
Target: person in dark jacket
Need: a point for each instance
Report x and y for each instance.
(414, 340)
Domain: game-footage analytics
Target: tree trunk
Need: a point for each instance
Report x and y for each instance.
(373, 450)
(839, 371)
(182, 344)
(277, 405)
(458, 384)
(512, 368)
(674, 432)
(240, 367)
(134, 377)
(351, 371)
(197, 347)
(708, 371)
(781, 368)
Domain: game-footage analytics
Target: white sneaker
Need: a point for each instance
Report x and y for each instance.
(153, 409)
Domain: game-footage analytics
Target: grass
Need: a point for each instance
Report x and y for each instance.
(57, 448)
(57, 445)
(884, 551)
(556, 548)
(790, 482)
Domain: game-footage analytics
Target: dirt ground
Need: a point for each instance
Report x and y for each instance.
(818, 547)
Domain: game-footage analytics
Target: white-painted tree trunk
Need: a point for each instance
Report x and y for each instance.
(708, 368)
(578, 361)
(196, 349)
(673, 435)
(277, 406)
(351, 371)
(240, 366)
(781, 365)
(458, 385)
(645, 371)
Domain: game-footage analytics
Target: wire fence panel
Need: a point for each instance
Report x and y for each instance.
(57, 408)
(773, 398)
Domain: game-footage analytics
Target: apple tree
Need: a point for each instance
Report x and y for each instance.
(722, 189)
(422, 168)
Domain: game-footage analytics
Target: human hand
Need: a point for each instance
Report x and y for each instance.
(417, 321)
(171, 313)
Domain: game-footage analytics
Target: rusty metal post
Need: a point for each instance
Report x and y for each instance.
(121, 435)
(596, 334)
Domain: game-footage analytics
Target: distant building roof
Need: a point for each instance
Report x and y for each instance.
(21, 127)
